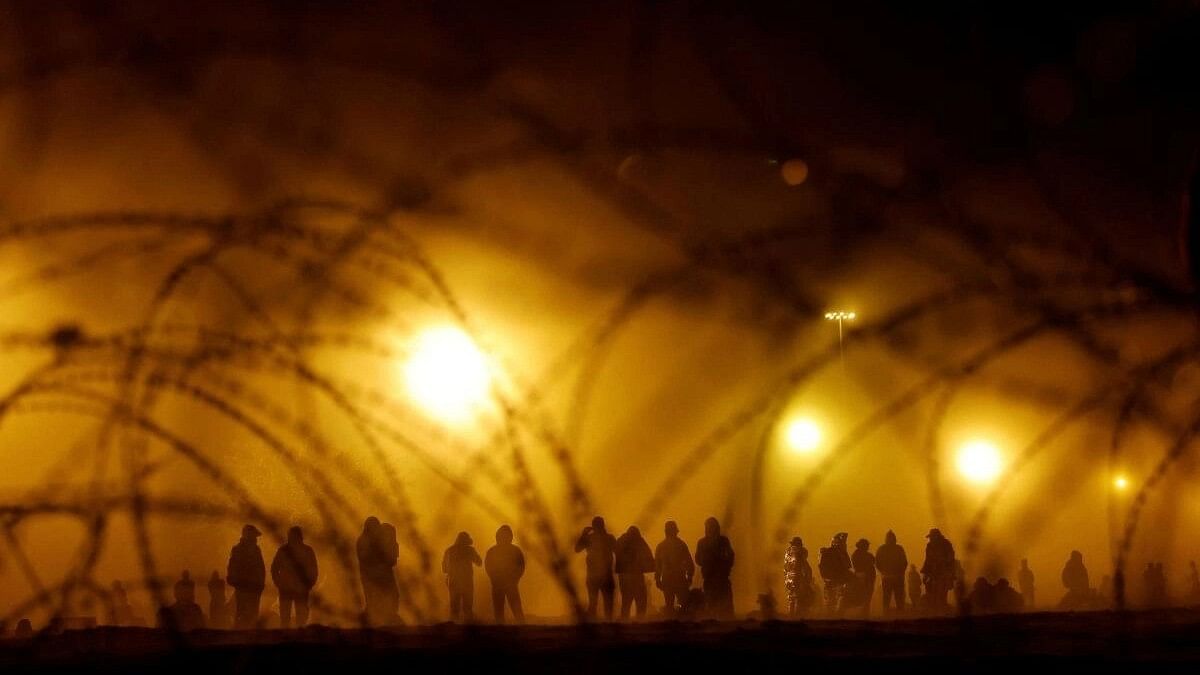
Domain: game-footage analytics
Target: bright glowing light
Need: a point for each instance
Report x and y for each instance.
(1120, 483)
(802, 435)
(980, 461)
(840, 316)
(447, 374)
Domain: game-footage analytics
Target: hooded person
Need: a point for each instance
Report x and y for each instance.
(458, 564)
(891, 561)
(1075, 580)
(940, 569)
(505, 565)
(714, 555)
(247, 573)
(122, 611)
(633, 561)
(601, 552)
(218, 605)
(1006, 599)
(797, 577)
(673, 568)
(864, 574)
(835, 569)
(294, 572)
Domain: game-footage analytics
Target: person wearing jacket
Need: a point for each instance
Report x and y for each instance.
(834, 566)
(673, 568)
(864, 574)
(458, 564)
(633, 562)
(714, 555)
(891, 561)
(247, 573)
(601, 547)
(797, 577)
(505, 565)
(294, 572)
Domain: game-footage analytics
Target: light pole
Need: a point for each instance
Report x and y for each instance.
(840, 317)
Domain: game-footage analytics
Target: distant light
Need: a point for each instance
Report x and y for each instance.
(802, 435)
(840, 316)
(794, 172)
(980, 461)
(447, 374)
(1120, 483)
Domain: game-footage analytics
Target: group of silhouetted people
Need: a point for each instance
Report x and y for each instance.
(622, 564)
(850, 578)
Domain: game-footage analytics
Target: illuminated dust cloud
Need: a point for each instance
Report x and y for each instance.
(803, 271)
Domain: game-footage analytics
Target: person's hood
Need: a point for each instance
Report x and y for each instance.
(712, 527)
(890, 537)
(632, 533)
(463, 539)
(504, 535)
(295, 536)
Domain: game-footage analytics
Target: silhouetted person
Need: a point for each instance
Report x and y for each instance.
(714, 555)
(218, 605)
(294, 571)
(505, 564)
(1075, 580)
(458, 564)
(1156, 585)
(24, 630)
(673, 568)
(914, 586)
(633, 562)
(601, 549)
(376, 562)
(891, 561)
(982, 598)
(864, 574)
(247, 573)
(185, 615)
(1025, 583)
(834, 566)
(390, 544)
(797, 577)
(940, 570)
(1006, 599)
(122, 611)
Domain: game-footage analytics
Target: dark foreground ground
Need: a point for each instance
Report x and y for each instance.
(1155, 642)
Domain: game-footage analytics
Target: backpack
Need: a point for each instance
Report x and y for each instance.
(827, 564)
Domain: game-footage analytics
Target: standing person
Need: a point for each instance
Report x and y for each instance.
(294, 571)
(389, 544)
(914, 586)
(1025, 583)
(864, 573)
(505, 564)
(940, 570)
(601, 548)
(714, 555)
(247, 573)
(834, 566)
(633, 562)
(891, 561)
(218, 606)
(1193, 583)
(458, 564)
(797, 577)
(673, 568)
(1075, 580)
(370, 559)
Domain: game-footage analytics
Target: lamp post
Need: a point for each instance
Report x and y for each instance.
(840, 317)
